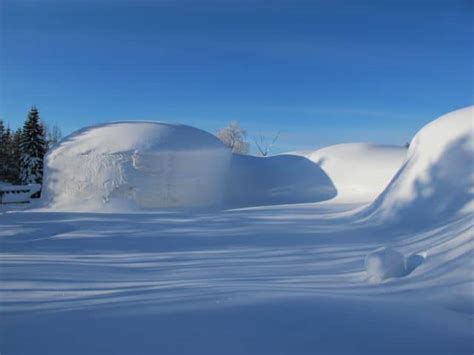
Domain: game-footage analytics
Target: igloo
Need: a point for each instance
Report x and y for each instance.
(136, 165)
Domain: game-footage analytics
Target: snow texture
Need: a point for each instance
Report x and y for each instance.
(151, 165)
(437, 180)
(282, 179)
(384, 263)
(282, 279)
(359, 171)
(136, 165)
(18, 193)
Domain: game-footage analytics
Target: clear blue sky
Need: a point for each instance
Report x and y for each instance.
(322, 72)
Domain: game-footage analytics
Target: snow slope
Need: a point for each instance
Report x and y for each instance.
(281, 179)
(437, 180)
(360, 171)
(136, 165)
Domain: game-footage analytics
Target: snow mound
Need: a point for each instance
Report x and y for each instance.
(281, 179)
(150, 165)
(360, 171)
(437, 180)
(136, 165)
(384, 263)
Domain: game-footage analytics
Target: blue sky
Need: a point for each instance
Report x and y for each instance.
(321, 72)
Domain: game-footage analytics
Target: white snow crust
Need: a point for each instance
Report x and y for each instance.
(281, 179)
(130, 166)
(136, 165)
(359, 171)
(394, 275)
(384, 263)
(437, 180)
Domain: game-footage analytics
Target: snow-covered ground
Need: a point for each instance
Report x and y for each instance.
(360, 171)
(334, 276)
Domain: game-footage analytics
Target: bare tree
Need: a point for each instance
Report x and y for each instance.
(53, 134)
(233, 136)
(265, 144)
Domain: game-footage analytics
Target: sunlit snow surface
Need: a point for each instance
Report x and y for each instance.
(360, 171)
(129, 166)
(286, 279)
(136, 165)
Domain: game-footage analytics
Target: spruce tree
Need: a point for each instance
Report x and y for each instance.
(16, 155)
(33, 149)
(13, 157)
(8, 159)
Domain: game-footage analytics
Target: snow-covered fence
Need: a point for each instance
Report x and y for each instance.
(18, 193)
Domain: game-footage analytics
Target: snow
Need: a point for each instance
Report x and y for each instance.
(280, 279)
(131, 166)
(136, 165)
(359, 171)
(384, 263)
(18, 193)
(437, 180)
(282, 179)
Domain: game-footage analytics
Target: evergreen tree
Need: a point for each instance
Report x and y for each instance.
(33, 149)
(7, 157)
(3, 152)
(14, 157)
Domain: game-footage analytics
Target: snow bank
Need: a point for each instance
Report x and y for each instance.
(150, 165)
(360, 170)
(384, 263)
(280, 179)
(130, 165)
(437, 180)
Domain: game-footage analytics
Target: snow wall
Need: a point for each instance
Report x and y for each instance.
(151, 165)
(437, 180)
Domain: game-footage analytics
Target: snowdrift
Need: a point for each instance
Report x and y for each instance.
(281, 179)
(136, 165)
(359, 171)
(150, 165)
(437, 180)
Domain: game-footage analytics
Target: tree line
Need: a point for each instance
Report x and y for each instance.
(22, 151)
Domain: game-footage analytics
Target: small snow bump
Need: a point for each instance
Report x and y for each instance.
(384, 263)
